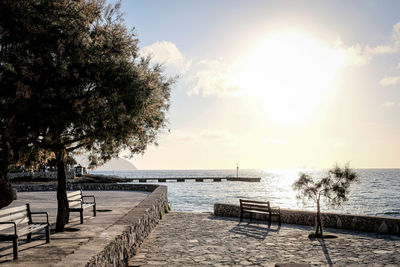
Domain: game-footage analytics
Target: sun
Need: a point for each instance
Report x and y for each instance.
(291, 74)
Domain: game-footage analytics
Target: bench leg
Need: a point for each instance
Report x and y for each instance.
(251, 216)
(269, 221)
(241, 216)
(94, 210)
(47, 234)
(81, 215)
(28, 238)
(15, 247)
(280, 220)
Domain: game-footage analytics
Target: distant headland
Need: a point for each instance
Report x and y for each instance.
(117, 164)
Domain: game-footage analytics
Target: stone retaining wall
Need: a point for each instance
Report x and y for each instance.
(374, 224)
(87, 186)
(140, 221)
(42, 175)
(135, 226)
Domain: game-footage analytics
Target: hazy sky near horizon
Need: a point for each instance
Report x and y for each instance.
(274, 84)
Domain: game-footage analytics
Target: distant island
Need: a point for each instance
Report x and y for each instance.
(117, 164)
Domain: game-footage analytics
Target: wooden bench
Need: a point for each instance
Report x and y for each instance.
(77, 203)
(17, 221)
(259, 207)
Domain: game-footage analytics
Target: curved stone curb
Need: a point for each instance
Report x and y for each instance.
(373, 224)
(138, 224)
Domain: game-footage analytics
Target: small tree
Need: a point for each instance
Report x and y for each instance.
(335, 188)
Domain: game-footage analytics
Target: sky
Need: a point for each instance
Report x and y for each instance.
(274, 84)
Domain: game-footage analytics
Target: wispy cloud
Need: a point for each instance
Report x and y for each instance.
(390, 80)
(389, 104)
(274, 141)
(214, 77)
(216, 135)
(362, 54)
(169, 55)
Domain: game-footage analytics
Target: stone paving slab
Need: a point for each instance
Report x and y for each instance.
(199, 239)
(81, 241)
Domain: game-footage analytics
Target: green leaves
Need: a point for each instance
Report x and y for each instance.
(71, 74)
(334, 187)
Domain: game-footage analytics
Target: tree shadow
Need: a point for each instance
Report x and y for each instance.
(325, 250)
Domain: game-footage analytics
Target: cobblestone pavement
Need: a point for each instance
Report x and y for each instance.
(199, 239)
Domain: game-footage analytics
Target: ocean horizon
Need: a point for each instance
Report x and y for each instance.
(376, 194)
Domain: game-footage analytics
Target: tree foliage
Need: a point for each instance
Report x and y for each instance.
(73, 80)
(334, 188)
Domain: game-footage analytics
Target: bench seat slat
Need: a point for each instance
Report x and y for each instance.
(12, 210)
(255, 206)
(253, 201)
(256, 209)
(14, 217)
(31, 229)
(74, 197)
(87, 205)
(75, 204)
(74, 193)
(19, 221)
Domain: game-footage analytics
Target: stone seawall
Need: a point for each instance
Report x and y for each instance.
(43, 175)
(374, 224)
(130, 230)
(87, 186)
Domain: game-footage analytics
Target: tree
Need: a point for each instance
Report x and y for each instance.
(86, 87)
(334, 188)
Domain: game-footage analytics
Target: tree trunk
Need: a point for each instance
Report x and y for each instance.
(318, 231)
(62, 211)
(7, 193)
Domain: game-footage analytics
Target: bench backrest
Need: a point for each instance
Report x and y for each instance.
(18, 215)
(74, 198)
(251, 205)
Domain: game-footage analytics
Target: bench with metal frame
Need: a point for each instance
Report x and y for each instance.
(17, 221)
(77, 203)
(259, 207)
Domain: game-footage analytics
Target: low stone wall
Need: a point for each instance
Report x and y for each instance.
(87, 186)
(374, 224)
(134, 227)
(42, 175)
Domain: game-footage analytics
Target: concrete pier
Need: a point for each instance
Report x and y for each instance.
(198, 179)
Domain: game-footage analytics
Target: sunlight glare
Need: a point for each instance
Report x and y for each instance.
(291, 74)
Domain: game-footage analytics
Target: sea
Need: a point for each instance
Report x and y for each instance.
(377, 193)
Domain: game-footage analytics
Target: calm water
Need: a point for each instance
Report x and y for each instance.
(378, 192)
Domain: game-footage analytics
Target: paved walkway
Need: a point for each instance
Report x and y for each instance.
(75, 246)
(198, 239)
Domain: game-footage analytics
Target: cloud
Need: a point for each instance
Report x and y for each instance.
(274, 141)
(215, 77)
(389, 104)
(168, 54)
(390, 80)
(362, 54)
(216, 135)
